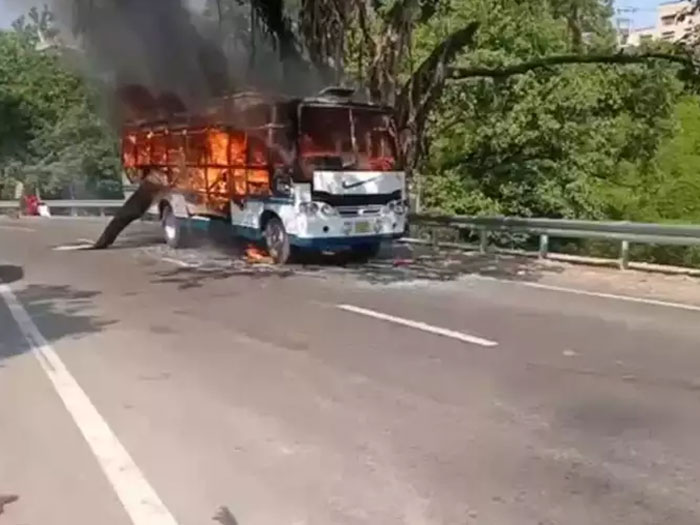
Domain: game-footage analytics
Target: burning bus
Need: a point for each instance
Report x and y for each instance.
(319, 173)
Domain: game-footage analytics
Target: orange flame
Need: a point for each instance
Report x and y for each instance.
(209, 162)
(255, 255)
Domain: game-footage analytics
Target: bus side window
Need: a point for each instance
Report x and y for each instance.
(258, 174)
(281, 149)
(257, 152)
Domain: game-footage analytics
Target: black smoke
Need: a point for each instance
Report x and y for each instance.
(149, 43)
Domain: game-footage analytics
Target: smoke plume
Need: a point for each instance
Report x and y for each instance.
(153, 44)
(165, 53)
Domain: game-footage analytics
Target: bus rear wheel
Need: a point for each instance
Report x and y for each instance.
(171, 227)
(277, 241)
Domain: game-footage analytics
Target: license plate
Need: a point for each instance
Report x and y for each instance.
(362, 227)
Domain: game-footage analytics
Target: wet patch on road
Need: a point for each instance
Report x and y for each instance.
(397, 265)
(194, 267)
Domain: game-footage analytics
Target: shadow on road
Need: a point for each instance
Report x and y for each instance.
(59, 311)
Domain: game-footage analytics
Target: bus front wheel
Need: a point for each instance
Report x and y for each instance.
(277, 241)
(171, 227)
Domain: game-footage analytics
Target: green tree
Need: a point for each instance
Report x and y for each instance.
(670, 189)
(50, 135)
(550, 141)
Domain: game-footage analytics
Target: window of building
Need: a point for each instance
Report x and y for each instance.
(668, 35)
(668, 20)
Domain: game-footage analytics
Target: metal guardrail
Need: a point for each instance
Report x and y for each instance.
(545, 229)
(72, 205)
(624, 232)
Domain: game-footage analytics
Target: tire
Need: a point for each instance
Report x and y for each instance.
(134, 208)
(277, 241)
(172, 230)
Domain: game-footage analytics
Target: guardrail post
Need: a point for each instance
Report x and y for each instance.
(434, 237)
(483, 240)
(73, 211)
(624, 255)
(544, 245)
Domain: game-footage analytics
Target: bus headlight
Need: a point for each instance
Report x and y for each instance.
(396, 207)
(309, 208)
(399, 208)
(328, 210)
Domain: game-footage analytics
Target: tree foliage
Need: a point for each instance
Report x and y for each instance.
(669, 188)
(552, 140)
(51, 137)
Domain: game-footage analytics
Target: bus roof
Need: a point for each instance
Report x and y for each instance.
(223, 110)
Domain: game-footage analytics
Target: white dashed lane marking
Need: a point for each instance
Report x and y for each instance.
(588, 293)
(444, 332)
(72, 247)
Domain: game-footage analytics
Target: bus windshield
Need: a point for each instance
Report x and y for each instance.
(346, 138)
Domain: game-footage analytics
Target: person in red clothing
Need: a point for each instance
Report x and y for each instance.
(31, 205)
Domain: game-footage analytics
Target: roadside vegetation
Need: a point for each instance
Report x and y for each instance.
(52, 136)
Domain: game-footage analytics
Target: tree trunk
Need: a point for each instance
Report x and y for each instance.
(425, 86)
(465, 73)
(134, 208)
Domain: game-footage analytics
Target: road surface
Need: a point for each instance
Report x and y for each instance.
(140, 385)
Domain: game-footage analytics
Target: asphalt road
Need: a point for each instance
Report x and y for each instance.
(173, 383)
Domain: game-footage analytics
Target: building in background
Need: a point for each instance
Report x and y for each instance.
(669, 25)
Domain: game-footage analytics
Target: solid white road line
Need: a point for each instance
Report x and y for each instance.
(603, 295)
(419, 326)
(139, 499)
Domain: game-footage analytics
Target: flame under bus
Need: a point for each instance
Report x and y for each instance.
(315, 173)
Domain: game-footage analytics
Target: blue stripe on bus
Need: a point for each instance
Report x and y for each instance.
(336, 243)
(272, 200)
(250, 233)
